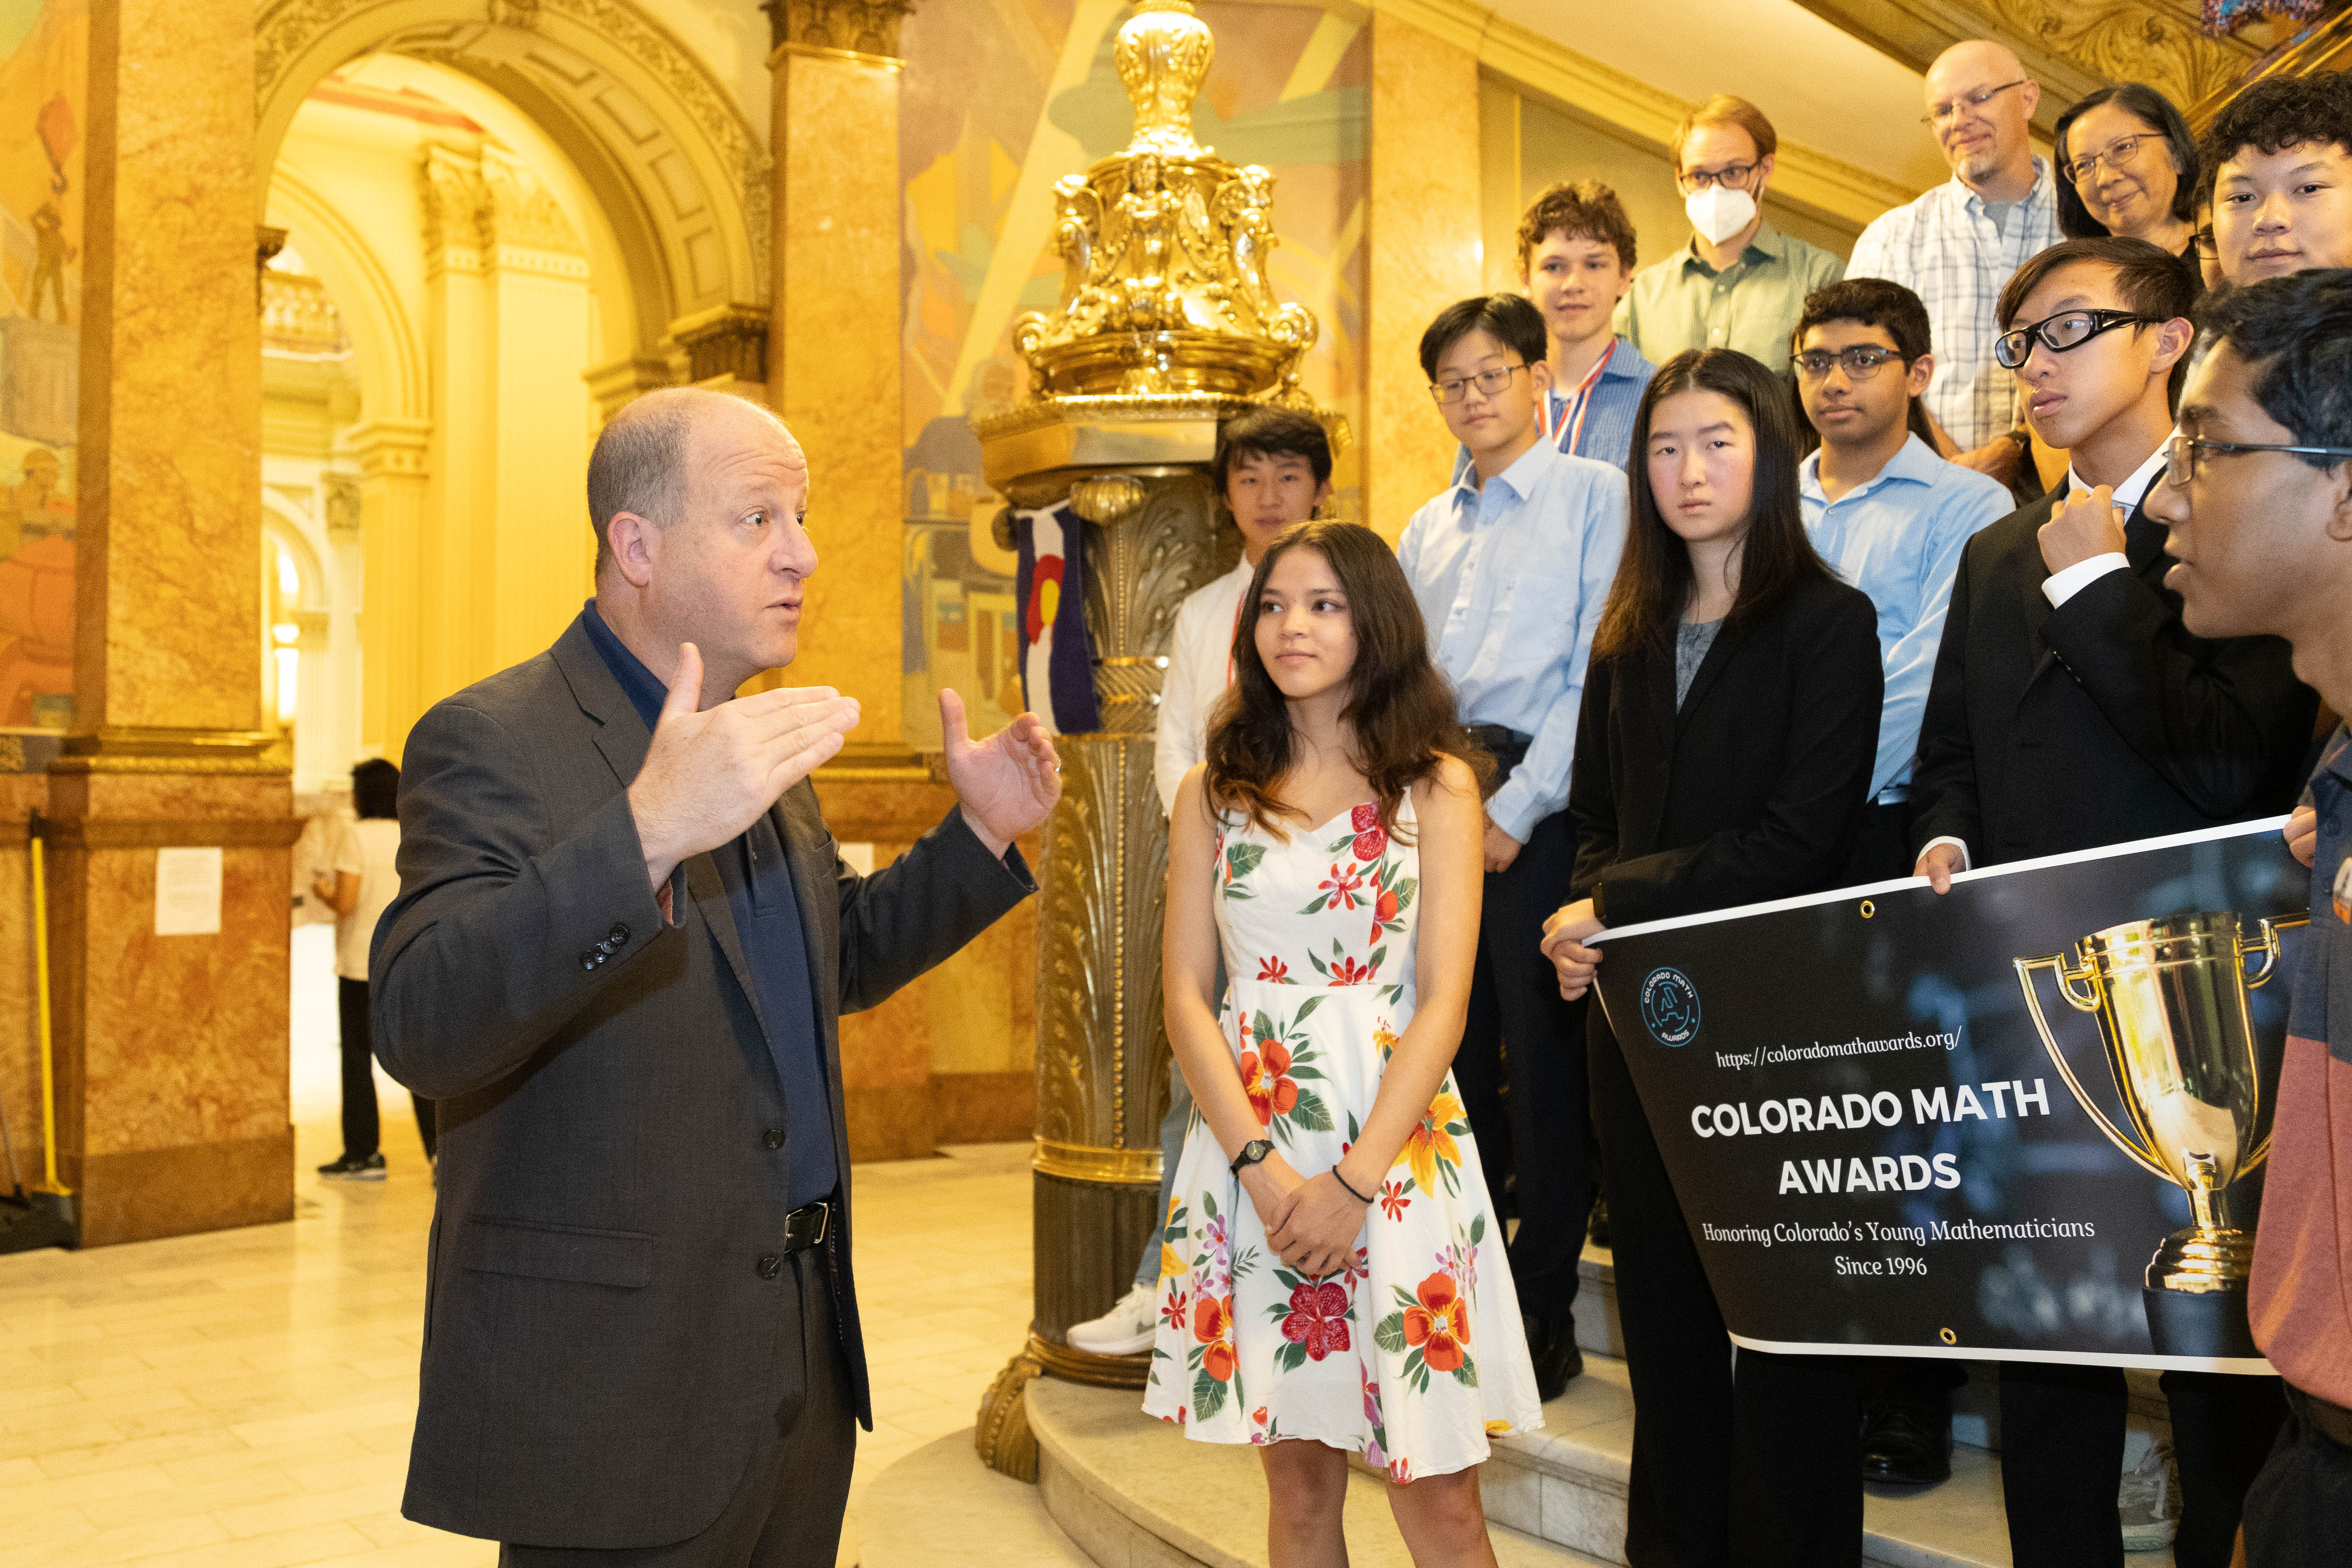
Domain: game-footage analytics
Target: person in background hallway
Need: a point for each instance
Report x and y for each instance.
(359, 884)
(1272, 468)
(622, 944)
(2127, 166)
(1892, 516)
(1956, 246)
(2071, 708)
(1510, 567)
(1576, 249)
(2278, 163)
(2258, 497)
(1334, 1285)
(1723, 757)
(1739, 283)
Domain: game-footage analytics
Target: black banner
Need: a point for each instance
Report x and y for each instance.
(1877, 1152)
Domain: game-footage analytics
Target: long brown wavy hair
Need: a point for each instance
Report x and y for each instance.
(1399, 707)
(1653, 582)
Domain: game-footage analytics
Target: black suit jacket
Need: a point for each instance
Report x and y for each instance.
(603, 1354)
(1754, 789)
(2102, 721)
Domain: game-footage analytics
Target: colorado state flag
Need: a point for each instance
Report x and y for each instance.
(1057, 665)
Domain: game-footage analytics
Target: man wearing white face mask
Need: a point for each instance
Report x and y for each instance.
(1739, 283)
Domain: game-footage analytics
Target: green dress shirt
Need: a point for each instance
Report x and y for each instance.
(1752, 305)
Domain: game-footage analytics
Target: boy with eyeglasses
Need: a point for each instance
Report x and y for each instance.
(2279, 157)
(1511, 566)
(1739, 283)
(2071, 709)
(2258, 498)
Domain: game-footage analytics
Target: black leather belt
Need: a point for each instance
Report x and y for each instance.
(2334, 1422)
(806, 1225)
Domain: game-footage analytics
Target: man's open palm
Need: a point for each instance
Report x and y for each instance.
(1009, 783)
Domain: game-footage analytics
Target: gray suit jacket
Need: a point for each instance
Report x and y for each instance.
(603, 1355)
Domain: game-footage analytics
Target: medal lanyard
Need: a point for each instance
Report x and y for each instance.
(1572, 417)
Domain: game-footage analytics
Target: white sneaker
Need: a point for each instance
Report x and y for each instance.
(2144, 1498)
(1125, 1329)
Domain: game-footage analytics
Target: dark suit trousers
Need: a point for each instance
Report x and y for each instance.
(1763, 1468)
(786, 1512)
(1518, 1031)
(2062, 1454)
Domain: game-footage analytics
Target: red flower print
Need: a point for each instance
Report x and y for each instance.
(1271, 1094)
(1273, 969)
(1386, 906)
(1344, 888)
(1394, 1203)
(1371, 845)
(1171, 1310)
(1439, 1324)
(1347, 971)
(1318, 1319)
(1401, 1472)
(1213, 1325)
(1365, 816)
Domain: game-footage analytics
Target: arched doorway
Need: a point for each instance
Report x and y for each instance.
(523, 222)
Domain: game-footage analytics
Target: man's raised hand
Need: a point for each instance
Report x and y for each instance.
(1009, 783)
(709, 774)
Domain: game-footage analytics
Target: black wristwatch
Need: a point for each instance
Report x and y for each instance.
(1253, 1151)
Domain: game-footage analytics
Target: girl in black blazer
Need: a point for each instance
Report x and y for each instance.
(1723, 757)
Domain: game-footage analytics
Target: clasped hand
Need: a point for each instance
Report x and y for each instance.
(1311, 1224)
(2087, 524)
(1563, 943)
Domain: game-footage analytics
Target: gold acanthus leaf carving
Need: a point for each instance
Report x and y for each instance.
(2132, 41)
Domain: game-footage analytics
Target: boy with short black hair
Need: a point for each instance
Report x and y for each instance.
(2258, 495)
(2279, 174)
(1272, 468)
(1511, 566)
(2071, 709)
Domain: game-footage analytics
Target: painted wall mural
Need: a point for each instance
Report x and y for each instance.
(979, 164)
(44, 102)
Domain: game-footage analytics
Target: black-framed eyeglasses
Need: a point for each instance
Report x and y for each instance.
(1697, 180)
(1939, 113)
(2114, 155)
(1488, 382)
(2183, 463)
(1861, 362)
(2058, 334)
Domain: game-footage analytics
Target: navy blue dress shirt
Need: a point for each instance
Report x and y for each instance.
(757, 877)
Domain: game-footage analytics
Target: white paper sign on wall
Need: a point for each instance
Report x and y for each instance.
(188, 892)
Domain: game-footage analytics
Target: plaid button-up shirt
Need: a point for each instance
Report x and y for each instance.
(1944, 248)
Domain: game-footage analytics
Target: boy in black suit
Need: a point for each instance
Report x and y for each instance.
(2071, 708)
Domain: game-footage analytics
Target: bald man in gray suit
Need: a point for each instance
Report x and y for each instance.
(622, 943)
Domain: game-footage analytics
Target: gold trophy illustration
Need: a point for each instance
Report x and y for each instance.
(2171, 995)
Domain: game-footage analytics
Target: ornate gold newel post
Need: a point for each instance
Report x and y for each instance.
(1167, 324)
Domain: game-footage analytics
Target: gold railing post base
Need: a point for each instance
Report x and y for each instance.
(1002, 1434)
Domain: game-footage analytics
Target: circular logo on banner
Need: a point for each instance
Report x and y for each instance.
(1670, 1006)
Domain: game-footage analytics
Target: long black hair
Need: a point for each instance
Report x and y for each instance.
(2150, 108)
(1655, 580)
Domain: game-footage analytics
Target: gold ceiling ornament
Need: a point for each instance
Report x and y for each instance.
(1164, 249)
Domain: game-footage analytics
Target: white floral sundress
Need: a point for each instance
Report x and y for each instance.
(1414, 1354)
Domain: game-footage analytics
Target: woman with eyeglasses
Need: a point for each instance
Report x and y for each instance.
(1723, 757)
(2127, 167)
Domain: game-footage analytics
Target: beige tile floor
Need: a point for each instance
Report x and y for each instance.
(245, 1399)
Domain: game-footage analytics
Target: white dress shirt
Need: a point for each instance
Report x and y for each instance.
(1945, 247)
(2066, 583)
(1511, 578)
(1199, 668)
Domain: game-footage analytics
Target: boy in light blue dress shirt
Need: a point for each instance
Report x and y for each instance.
(1892, 516)
(1511, 566)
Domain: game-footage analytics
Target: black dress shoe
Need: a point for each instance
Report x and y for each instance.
(1551, 1345)
(1905, 1444)
(1599, 1229)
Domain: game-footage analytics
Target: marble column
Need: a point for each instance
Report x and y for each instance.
(832, 345)
(171, 1048)
(392, 456)
(1421, 239)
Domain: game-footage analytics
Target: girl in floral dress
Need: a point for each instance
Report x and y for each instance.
(1333, 1278)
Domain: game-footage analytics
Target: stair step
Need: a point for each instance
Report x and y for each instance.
(941, 1504)
(1119, 1482)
